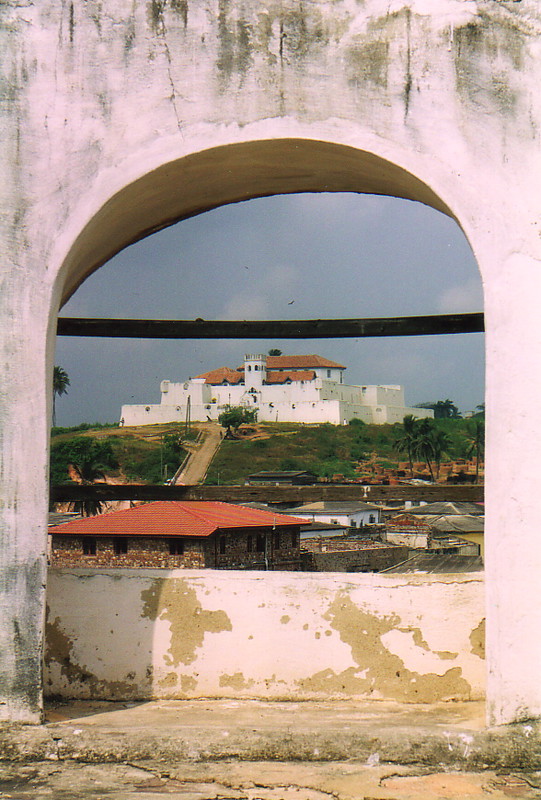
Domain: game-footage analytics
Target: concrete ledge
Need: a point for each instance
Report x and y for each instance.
(449, 735)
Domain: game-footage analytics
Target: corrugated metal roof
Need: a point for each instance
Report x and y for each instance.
(328, 506)
(175, 518)
(431, 563)
(443, 508)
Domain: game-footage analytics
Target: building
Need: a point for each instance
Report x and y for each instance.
(295, 388)
(437, 564)
(461, 534)
(352, 513)
(278, 477)
(180, 535)
(349, 555)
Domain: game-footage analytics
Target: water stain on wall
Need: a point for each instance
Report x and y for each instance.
(477, 639)
(177, 602)
(59, 650)
(235, 681)
(379, 672)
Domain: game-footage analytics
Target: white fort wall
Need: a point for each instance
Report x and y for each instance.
(310, 401)
(138, 634)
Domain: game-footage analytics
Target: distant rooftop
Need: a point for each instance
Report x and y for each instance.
(446, 509)
(327, 506)
(438, 564)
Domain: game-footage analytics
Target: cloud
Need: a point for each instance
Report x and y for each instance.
(462, 299)
(245, 305)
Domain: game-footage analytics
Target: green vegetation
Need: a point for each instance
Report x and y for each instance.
(235, 416)
(141, 456)
(443, 409)
(84, 426)
(60, 386)
(81, 451)
(328, 450)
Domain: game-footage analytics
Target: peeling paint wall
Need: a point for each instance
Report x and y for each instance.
(132, 635)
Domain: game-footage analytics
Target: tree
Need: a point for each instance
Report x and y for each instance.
(476, 444)
(275, 352)
(86, 473)
(441, 443)
(407, 442)
(60, 387)
(443, 409)
(234, 416)
(424, 443)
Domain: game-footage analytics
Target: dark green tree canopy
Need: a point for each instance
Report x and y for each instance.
(60, 387)
(443, 409)
(234, 416)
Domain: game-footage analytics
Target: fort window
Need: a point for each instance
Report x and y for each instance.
(222, 545)
(120, 545)
(89, 546)
(249, 544)
(276, 540)
(260, 543)
(176, 547)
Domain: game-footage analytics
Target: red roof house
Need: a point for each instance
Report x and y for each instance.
(180, 534)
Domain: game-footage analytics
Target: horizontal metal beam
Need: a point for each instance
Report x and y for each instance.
(272, 329)
(273, 494)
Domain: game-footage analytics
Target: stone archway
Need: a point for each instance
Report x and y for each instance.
(111, 115)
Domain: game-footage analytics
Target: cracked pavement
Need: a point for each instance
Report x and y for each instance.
(235, 780)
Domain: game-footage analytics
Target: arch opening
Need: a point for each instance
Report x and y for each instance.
(228, 174)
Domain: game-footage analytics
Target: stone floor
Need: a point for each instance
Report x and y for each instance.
(252, 750)
(257, 781)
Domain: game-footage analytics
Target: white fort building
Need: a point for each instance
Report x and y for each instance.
(297, 388)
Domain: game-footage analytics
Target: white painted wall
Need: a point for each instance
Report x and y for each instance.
(360, 518)
(158, 633)
(316, 401)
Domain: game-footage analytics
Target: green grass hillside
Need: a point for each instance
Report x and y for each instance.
(147, 454)
(151, 453)
(325, 449)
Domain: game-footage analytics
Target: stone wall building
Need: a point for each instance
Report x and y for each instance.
(180, 535)
(350, 555)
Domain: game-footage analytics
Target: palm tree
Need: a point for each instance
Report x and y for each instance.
(424, 443)
(476, 442)
(440, 445)
(86, 473)
(407, 442)
(60, 387)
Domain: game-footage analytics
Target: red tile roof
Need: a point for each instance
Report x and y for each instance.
(281, 377)
(301, 362)
(175, 518)
(217, 376)
(298, 368)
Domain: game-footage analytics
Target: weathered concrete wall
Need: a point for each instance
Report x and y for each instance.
(127, 634)
(119, 118)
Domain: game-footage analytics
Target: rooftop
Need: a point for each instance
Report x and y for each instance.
(175, 518)
(447, 508)
(328, 506)
(438, 564)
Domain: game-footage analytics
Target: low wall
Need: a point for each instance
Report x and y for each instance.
(127, 634)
